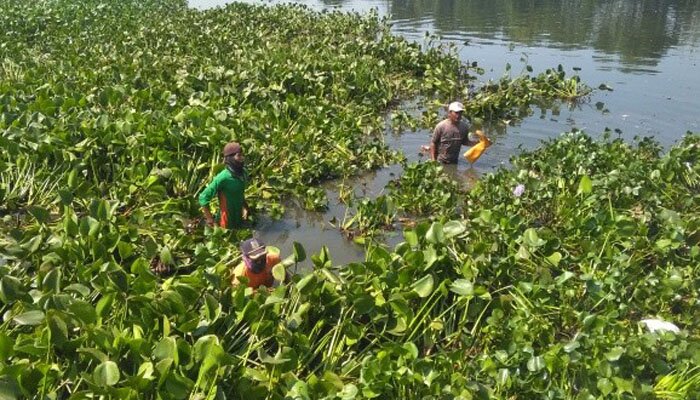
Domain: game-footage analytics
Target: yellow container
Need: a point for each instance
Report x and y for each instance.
(478, 149)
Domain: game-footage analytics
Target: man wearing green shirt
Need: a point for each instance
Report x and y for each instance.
(229, 187)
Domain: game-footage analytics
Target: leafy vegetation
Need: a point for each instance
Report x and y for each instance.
(132, 101)
(533, 293)
(423, 189)
(111, 118)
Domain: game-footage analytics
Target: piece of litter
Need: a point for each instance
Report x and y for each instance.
(655, 325)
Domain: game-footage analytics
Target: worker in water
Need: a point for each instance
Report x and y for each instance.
(229, 187)
(450, 134)
(256, 266)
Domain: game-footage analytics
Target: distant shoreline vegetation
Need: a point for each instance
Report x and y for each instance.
(112, 117)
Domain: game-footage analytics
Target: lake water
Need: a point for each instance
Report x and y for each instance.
(646, 51)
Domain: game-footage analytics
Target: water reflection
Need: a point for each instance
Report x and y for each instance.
(639, 31)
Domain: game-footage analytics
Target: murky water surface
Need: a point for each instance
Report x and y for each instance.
(647, 51)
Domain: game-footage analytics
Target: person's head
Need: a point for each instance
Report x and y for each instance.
(254, 255)
(233, 155)
(454, 111)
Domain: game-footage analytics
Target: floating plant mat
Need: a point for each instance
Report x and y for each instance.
(112, 115)
(537, 289)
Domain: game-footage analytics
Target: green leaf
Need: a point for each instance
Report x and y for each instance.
(535, 364)
(104, 305)
(435, 233)
(78, 288)
(363, 304)
(423, 286)
(83, 311)
(9, 389)
(6, 346)
(615, 353)
(278, 272)
(299, 252)
(454, 228)
(565, 276)
(624, 385)
(11, 289)
(462, 287)
(106, 374)
(554, 258)
(411, 237)
(41, 214)
(52, 280)
(349, 392)
(605, 386)
(585, 185)
(531, 239)
(34, 317)
(166, 348)
(58, 329)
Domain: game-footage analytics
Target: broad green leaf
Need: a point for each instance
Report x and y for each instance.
(454, 228)
(106, 374)
(146, 370)
(34, 317)
(565, 276)
(349, 392)
(435, 233)
(535, 364)
(6, 345)
(585, 185)
(166, 348)
(104, 305)
(531, 239)
(615, 353)
(52, 280)
(411, 238)
(9, 389)
(423, 286)
(83, 311)
(363, 304)
(554, 258)
(11, 289)
(41, 214)
(605, 386)
(299, 252)
(462, 287)
(58, 329)
(278, 272)
(624, 385)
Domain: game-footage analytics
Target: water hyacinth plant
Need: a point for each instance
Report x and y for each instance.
(112, 115)
(536, 297)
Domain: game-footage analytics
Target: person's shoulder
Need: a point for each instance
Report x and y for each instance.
(223, 174)
(442, 123)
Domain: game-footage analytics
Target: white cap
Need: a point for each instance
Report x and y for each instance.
(455, 106)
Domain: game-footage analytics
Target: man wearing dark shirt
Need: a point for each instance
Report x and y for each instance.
(449, 136)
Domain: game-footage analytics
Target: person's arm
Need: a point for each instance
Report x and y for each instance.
(205, 198)
(245, 212)
(437, 134)
(466, 140)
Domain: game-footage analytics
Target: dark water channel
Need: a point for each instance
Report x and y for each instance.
(647, 51)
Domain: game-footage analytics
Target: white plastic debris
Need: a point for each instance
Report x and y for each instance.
(655, 325)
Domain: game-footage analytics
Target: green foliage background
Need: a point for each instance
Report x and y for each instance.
(112, 115)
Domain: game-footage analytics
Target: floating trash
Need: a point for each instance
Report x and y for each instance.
(655, 325)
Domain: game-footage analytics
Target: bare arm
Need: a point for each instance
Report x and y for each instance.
(207, 216)
(435, 143)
